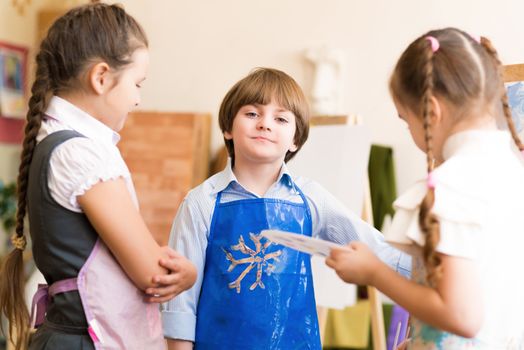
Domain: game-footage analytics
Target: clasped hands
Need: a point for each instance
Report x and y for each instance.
(180, 277)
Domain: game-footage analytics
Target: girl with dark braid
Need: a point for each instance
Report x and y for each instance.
(88, 238)
(463, 225)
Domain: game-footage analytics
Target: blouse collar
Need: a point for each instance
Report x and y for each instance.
(72, 116)
(477, 142)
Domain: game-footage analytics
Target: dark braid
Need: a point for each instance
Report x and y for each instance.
(428, 222)
(89, 33)
(486, 43)
(12, 277)
(41, 93)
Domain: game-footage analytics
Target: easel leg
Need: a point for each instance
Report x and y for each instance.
(378, 332)
(322, 313)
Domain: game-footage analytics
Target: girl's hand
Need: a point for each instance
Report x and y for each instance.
(182, 275)
(358, 265)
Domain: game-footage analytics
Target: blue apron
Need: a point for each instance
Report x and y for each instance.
(256, 294)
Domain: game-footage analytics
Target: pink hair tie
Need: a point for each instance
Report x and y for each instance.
(434, 43)
(475, 37)
(431, 180)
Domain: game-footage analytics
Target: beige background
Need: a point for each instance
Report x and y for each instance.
(200, 48)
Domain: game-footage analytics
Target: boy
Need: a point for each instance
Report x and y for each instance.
(251, 293)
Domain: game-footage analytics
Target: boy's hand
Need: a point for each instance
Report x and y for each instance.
(358, 265)
(182, 275)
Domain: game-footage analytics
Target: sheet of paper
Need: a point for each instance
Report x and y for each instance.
(313, 246)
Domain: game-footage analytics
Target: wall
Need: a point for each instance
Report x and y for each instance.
(200, 48)
(21, 29)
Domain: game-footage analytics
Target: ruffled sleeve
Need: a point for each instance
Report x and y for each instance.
(459, 208)
(78, 164)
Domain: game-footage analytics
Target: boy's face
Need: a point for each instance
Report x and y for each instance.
(262, 133)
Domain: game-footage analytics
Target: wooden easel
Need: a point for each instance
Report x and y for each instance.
(513, 72)
(378, 332)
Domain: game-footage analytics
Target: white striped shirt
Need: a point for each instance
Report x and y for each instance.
(191, 228)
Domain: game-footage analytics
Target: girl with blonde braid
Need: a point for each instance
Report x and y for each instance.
(88, 238)
(463, 225)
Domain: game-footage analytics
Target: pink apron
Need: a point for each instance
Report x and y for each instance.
(115, 309)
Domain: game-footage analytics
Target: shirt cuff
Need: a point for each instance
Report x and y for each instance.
(404, 265)
(179, 325)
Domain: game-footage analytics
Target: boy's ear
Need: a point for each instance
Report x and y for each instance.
(293, 148)
(99, 77)
(227, 135)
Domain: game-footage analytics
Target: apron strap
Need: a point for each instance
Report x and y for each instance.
(63, 286)
(42, 296)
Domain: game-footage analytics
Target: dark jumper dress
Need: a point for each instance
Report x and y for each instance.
(62, 241)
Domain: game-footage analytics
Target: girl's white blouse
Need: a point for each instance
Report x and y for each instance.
(460, 214)
(81, 162)
(479, 191)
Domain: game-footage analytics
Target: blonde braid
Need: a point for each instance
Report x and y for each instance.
(428, 222)
(504, 98)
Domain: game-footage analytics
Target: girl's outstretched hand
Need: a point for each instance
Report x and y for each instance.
(182, 275)
(357, 265)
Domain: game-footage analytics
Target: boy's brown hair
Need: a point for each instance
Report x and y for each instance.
(262, 86)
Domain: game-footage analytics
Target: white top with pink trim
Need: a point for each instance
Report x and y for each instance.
(479, 194)
(79, 163)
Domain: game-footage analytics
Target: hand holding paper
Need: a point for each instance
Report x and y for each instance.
(358, 264)
(309, 245)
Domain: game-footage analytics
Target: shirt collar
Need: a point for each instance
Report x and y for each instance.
(476, 141)
(285, 176)
(75, 118)
(226, 177)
